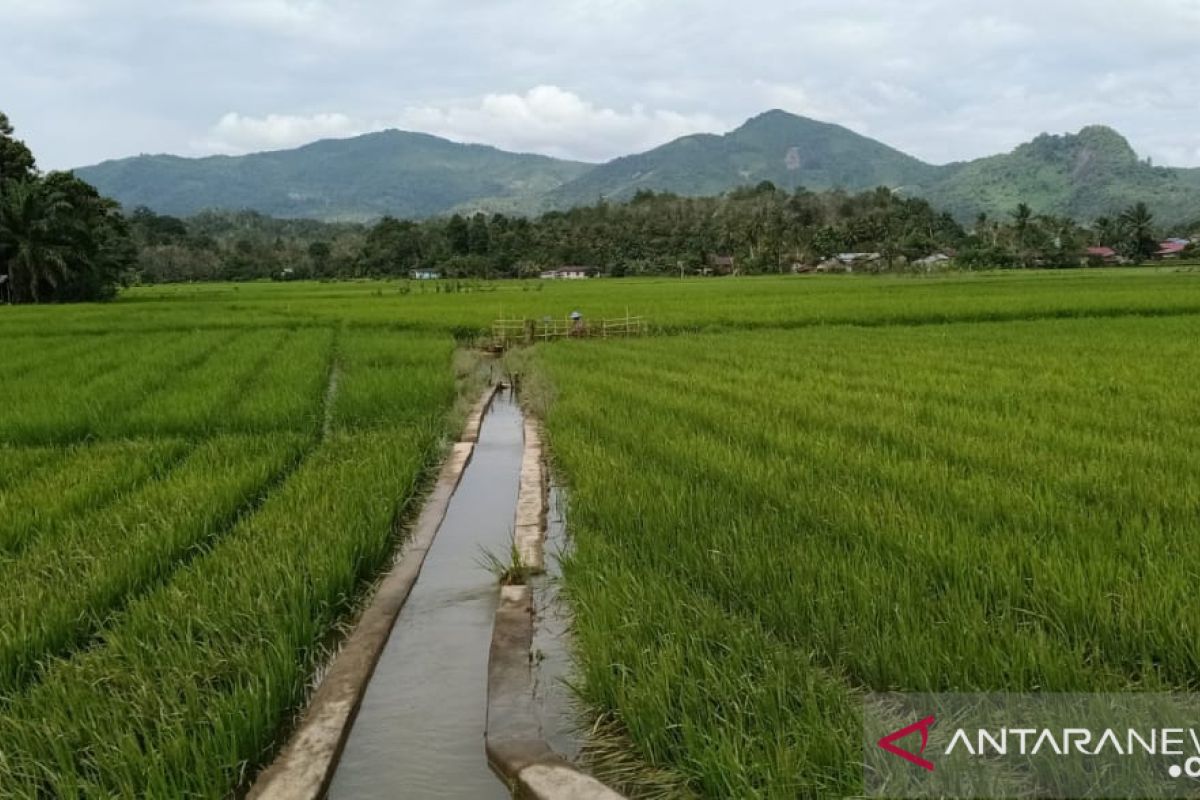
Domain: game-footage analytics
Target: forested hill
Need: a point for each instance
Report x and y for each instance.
(411, 175)
(1092, 173)
(1085, 175)
(1082, 176)
(787, 150)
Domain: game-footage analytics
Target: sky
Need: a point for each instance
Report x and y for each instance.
(944, 80)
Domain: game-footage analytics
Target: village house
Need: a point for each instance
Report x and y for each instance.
(722, 265)
(1172, 248)
(1102, 255)
(932, 261)
(854, 259)
(567, 273)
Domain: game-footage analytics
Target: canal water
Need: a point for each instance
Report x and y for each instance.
(551, 640)
(419, 733)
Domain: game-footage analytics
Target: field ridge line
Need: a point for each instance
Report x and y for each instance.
(331, 386)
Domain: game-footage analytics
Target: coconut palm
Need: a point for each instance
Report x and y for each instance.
(1022, 219)
(1107, 230)
(1138, 223)
(31, 251)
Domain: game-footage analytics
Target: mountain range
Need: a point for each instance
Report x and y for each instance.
(1083, 175)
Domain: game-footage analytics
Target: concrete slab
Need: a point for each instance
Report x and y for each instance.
(562, 782)
(529, 530)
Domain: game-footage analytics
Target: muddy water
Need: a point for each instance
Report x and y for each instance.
(419, 733)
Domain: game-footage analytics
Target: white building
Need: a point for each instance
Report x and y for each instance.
(567, 273)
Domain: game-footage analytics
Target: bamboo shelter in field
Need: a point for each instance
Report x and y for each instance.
(507, 332)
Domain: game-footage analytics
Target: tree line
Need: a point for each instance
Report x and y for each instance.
(762, 229)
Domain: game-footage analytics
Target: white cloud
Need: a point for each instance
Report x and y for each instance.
(554, 121)
(235, 133)
(944, 79)
(545, 119)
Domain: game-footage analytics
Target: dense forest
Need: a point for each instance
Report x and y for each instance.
(60, 240)
(751, 230)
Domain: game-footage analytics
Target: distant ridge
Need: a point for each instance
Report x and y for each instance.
(1083, 175)
(390, 172)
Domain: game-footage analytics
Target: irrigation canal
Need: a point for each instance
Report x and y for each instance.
(419, 732)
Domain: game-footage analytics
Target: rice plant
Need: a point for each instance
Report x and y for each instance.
(808, 488)
(970, 507)
(79, 480)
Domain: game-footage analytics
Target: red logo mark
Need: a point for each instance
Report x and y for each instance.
(888, 743)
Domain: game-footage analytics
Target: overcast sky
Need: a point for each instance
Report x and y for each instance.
(86, 80)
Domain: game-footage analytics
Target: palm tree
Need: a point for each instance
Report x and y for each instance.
(1106, 231)
(1022, 216)
(1139, 220)
(27, 239)
(1138, 223)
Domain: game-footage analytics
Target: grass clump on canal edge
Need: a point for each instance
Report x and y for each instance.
(510, 570)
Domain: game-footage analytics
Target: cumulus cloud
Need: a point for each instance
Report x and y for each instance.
(943, 79)
(545, 119)
(554, 121)
(235, 133)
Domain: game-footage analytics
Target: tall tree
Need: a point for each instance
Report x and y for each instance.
(1139, 241)
(479, 238)
(59, 239)
(32, 252)
(16, 161)
(1022, 217)
(458, 234)
(16, 164)
(1107, 231)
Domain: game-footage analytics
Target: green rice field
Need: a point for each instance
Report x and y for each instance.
(768, 523)
(186, 514)
(794, 491)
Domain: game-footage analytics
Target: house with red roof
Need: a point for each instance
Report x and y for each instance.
(1103, 255)
(1171, 248)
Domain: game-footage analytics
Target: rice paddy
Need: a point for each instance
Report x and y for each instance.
(186, 517)
(769, 523)
(799, 490)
